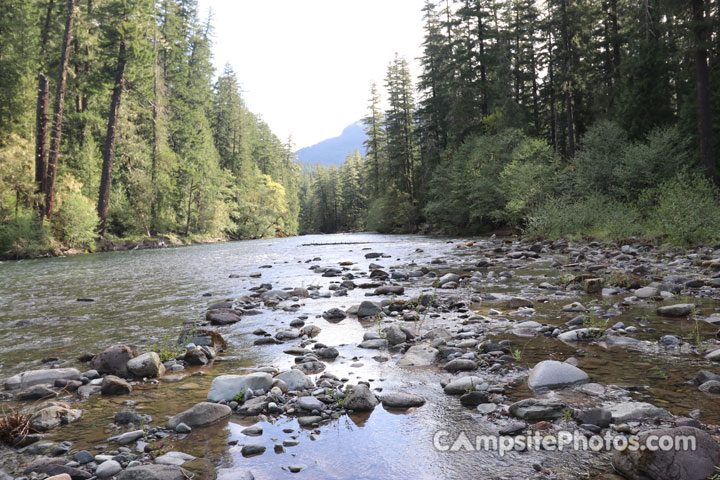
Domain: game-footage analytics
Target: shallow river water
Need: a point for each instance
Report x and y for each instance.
(142, 298)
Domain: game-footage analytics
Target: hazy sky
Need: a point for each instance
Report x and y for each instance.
(306, 65)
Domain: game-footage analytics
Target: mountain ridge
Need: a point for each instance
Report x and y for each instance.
(332, 151)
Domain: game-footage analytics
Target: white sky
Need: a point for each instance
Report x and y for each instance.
(306, 65)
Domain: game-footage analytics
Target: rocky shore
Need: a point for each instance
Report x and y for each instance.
(506, 330)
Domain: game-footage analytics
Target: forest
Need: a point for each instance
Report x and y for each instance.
(114, 125)
(552, 118)
(555, 118)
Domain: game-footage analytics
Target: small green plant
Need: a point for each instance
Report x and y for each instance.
(517, 354)
(567, 415)
(660, 373)
(240, 397)
(379, 323)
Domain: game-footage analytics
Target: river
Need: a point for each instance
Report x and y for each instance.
(143, 298)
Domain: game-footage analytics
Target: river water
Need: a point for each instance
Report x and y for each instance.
(142, 298)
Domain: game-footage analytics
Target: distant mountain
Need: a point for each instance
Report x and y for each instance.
(334, 150)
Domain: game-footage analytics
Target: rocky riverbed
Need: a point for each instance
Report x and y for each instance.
(366, 356)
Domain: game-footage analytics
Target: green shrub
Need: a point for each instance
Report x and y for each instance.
(600, 152)
(24, 236)
(393, 213)
(687, 210)
(76, 221)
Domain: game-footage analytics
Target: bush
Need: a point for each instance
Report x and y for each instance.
(596, 215)
(24, 236)
(76, 221)
(600, 151)
(687, 210)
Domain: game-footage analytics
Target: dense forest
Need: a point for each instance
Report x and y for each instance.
(113, 124)
(558, 117)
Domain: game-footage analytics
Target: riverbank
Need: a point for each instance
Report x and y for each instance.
(338, 346)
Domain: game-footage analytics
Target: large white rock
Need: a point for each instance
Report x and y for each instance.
(463, 385)
(552, 375)
(37, 377)
(295, 380)
(174, 458)
(226, 387)
(146, 365)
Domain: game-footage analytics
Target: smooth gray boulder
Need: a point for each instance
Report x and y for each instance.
(201, 415)
(113, 360)
(295, 380)
(401, 400)
(554, 375)
(309, 404)
(226, 387)
(42, 376)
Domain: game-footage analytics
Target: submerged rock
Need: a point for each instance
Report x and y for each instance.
(679, 310)
(43, 376)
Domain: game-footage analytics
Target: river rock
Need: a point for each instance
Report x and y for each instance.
(553, 375)
(389, 290)
(697, 464)
(310, 330)
(203, 338)
(328, 353)
(112, 385)
(146, 365)
(474, 398)
(295, 380)
(600, 417)
(174, 458)
(581, 335)
(200, 415)
(461, 364)
(448, 278)
(368, 309)
(635, 412)
(37, 392)
(226, 387)
(538, 409)
(418, 356)
(463, 385)
(54, 415)
(519, 302)
(334, 314)
(309, 404)
(253, 407)
(360, 399)
(108, 469)
(679, 310)
(113, 361)
(374, 343)
(401, 400)
(711, 386)
(250, 450)
(131, 436)
(395, 335)
(43, 376)
(223, 316)
(646, 292)
(155, 472)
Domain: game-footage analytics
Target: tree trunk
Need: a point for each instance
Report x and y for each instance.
(109, 150)
(58, 110)
(702, 79)
(482, 60)
(567, 81)
(41, 135)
